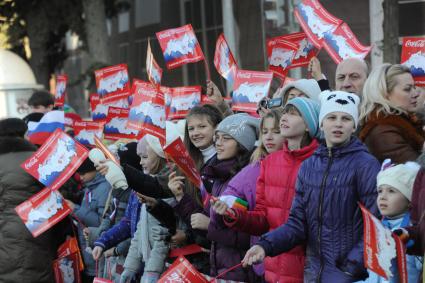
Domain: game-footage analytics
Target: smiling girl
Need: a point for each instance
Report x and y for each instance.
(389, 130)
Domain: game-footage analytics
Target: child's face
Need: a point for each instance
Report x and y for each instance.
(226, 146)
(391, 202)
(88, 176)
(292, 124)
(149, 160)
(200, 130)
(338, 127)
(271, 136)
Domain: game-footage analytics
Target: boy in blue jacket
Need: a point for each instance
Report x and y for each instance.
(89, 212)
(324, 214)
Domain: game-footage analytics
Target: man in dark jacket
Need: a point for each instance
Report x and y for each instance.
(23, 258)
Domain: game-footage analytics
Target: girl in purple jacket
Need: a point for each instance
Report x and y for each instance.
(325, 214)
(234, 139)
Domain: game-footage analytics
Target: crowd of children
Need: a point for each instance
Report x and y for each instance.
(299, 171)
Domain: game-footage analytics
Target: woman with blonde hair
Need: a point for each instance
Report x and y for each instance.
(389, 127)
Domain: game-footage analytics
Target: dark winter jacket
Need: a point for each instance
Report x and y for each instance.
(325, 214)
(23, 258)
(228, 247)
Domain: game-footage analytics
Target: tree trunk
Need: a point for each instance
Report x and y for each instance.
(391, 19)
(38, 34)
(96, 33)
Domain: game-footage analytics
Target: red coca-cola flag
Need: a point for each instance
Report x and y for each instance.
(60, 92)
(342, 44)
(224, 61)
(381, 247)
(315, 21)
(182, 271)
(99, 110)
(152, 68)
(177, 152)
(116, 125)
(56, 160)
(180, 100)
(413, 56)
(86, 131)
(179, 46)
(249, 88)
(147, 112)
(306, 49)
(280, 54)
(66, 269)
(68, 247)
(111, 81)
(42, 211)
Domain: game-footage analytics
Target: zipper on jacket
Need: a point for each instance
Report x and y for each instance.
(320, 212)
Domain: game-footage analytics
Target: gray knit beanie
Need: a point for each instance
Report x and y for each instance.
(242, 127)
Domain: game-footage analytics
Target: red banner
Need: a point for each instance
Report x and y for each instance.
(182, 271)
(280, 54)
(42, 211)
(116, 125)
(56, 160)
(179, 46)
(180, 100)
(413, 56)
(342, 44)
(85, 131)
(224, 61)
(60, 92)
(111, 81)
(152, 68)
(380, 247)
(177, 152)
(249, 88)
(99, 111)
(147, 112)
(315, 21)
(70, 246)
(305, 51)
(66, 269)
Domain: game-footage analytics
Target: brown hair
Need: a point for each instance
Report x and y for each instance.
(260, 152)
(213, 116)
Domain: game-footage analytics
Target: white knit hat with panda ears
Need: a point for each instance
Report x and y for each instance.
(339, 101)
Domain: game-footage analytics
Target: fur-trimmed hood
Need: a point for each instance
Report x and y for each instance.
(411, 129)
(15, 144)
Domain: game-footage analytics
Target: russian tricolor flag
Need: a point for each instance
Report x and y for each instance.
(39, 132)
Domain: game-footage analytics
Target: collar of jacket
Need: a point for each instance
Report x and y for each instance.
(301, 153)
(15, 144)
(352, 146)
(218, 169)
(411, 129)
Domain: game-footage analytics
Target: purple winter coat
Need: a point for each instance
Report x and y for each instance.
(243, 185)
(325, 214)
(228, 247)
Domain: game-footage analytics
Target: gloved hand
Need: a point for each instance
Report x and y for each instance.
(127, 276)
(150, 277)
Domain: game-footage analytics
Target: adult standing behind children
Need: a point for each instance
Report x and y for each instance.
(388, 130)
(325, 214)
(23, 258)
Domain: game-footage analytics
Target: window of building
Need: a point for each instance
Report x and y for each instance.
(147, 12)
(123, 22)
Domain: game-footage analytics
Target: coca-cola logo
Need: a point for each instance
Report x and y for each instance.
(31, 162)
(415, 43)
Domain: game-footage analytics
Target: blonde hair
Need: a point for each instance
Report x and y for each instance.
(260, 152)
(378, 85)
